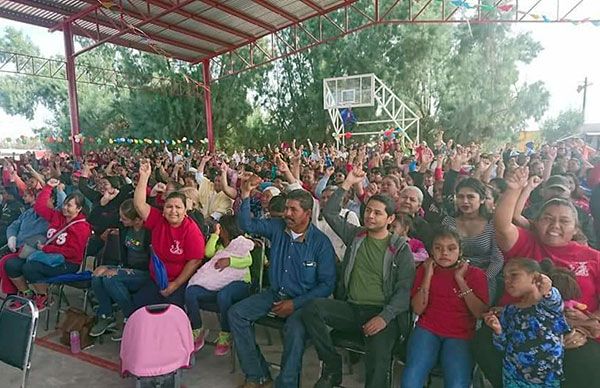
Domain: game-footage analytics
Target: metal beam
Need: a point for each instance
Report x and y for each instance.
(240, 15)
(313, 5)
(31, 65)
(136, 14)
(200, 19)
(72, 90)
(82, 32)
(208, 105)
(279, 11)
(131, 29)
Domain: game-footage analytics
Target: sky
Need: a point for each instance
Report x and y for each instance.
(570, 54)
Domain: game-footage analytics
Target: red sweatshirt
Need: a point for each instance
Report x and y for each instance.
(72, 242)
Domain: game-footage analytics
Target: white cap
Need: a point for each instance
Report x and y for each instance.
(274, 190)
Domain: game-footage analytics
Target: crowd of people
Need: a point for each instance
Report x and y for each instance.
(455, 256)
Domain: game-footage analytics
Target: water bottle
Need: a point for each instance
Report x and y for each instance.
(75, 343)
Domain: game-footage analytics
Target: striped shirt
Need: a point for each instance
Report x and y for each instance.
(482, 251)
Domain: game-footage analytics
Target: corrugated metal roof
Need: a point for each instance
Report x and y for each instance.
(190, 30)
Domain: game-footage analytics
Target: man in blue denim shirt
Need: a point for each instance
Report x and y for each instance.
(301, 268)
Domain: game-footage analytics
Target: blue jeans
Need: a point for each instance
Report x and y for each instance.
(424, 351)
(242, 316)
(118, 288)
(199, 298)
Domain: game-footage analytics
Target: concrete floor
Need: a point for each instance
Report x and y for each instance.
(52, 367)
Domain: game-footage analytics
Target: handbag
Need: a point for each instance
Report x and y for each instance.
(160, 272)
(49, 259)
(26, 250)
(76, 320)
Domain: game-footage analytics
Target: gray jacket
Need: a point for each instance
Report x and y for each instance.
(398, 263)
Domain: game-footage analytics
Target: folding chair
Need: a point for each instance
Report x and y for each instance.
(17, 334)
(355, 343)
(81, 280)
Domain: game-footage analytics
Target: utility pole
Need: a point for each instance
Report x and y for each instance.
(584, 88)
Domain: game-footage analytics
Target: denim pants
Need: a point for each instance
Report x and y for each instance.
(118, 288)
(424, 351)
(199, 298)
(242, 316)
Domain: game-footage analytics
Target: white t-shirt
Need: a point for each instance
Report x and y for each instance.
(336, 241)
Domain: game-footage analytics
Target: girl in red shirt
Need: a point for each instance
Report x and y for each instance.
(449, 296)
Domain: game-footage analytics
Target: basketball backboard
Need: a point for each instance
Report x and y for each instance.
(349, 92)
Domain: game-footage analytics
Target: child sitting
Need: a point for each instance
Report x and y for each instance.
(448, 295)
(223, 280)
(530, 331)
(402, 226)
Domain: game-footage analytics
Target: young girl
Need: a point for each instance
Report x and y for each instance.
(117, 283)
(402, 226)
(448, 295)
(530, 331)
(214, 282)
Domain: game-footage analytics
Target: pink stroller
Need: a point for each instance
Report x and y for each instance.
(157, 343)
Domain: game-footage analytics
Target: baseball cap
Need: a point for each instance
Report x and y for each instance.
(558, 182)
(273, 190)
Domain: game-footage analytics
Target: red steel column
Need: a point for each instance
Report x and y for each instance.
(208, 105)
(72, 87)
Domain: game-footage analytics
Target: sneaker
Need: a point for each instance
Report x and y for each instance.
(198, 335)
(17, 305)
(117, 336)
(223, 344)
(328, 381)
(331, 376)
(268, 383)
(103, 323)
(41, 302)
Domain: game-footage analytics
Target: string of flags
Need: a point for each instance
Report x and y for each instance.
(122, 140)
(506, 8)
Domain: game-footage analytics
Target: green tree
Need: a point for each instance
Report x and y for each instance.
(565, 124)
(461, 78)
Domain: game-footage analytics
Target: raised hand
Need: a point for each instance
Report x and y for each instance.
(533, 182)
(518, 179)
(145, 169)
(249, 183)
(86, 170)
(458, 159)
(357, 175)
(281, 165)
(53, 182)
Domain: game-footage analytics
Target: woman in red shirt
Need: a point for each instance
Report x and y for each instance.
(449, 296)
(176, 240)
(551, 237)
(68, 234)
